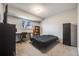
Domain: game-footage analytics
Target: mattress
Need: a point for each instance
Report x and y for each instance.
(44, 38)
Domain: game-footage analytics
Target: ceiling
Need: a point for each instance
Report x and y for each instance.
(44, 10)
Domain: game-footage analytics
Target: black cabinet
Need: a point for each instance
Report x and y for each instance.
(69, 34)
(7, 40)
(66, 34)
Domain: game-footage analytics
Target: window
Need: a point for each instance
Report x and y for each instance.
(26, 24)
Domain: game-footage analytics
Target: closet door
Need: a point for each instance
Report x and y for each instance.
(67, 34)
(10, 38)
(7, 40)
(2, 39)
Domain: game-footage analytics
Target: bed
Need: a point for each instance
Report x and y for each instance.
(44, 40)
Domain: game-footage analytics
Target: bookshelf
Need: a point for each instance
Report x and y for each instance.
(36, 31)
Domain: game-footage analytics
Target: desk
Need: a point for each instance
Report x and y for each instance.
(19, 36)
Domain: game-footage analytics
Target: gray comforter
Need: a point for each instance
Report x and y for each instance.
(45, 38)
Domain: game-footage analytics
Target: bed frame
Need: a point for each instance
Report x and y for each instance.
(44, 40)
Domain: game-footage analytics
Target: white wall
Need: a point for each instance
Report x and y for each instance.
(78, 26)
(0, 8)
(54, 24)
(1, 12)
(12, 20)
(19, 13)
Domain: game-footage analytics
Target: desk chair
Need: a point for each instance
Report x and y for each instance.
(23, 36)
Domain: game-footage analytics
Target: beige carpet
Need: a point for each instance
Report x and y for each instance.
(27, 49)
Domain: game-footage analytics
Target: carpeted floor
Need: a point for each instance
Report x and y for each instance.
(27, 49)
